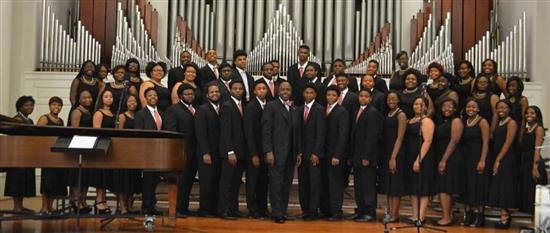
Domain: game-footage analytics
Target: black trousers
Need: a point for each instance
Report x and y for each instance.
(280, 180)
(365, 190)
(209, 178)
(230, 181)
(150, 181)
(186, 183)
(256, 187)
(309, 178)
(332, 194)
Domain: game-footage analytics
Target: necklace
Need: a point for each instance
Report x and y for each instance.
(465, 81)
(157, 83)
(415, 119)
(391, 114)
(117, 86)
(503, 122)
(54, 119)
(407, 91)
(478, 95)
(473, 122)
(89, 82)
(531, 129)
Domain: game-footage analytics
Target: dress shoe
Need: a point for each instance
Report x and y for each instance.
(290, 218)
(364, 218)
(479, 220)
(469, 218)
(335, 217)
(280, 220)
(228, 216)
(353, 216)
(310, 217)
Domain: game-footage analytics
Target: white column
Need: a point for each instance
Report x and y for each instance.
(369, 26)
(259, 20)
(6, 8)
(338, 28)
(270, 11)
(195, 27)
(328, 30)
(239, 42)
(319, 22)
(349, 29)
(220, 28)
(230, 30)
(363, 28)
(249, 20)
(296, 15)
(308, 23)
(202, 19)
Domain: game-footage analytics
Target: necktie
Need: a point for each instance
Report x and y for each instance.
(191, 109)
(341, 99)
(301, 71)
(306, 113)
(359, 114)
(329, 109)
(333, 82)
(217, 109)
(158, 121)
(240, 106)
(288, 104)
(215, 69)
(227, 85)
(272, 87)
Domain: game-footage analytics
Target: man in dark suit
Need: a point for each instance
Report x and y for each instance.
(149, 118)
(175, 74)
(335, 146)
(226, 76)
(239, 73)
(364, 145)
(210, 71)
(232, 151)
(281, 142)
(256, 169)
(180, 117)
(297, 71)
(310, 77)
(338, 67)
(276, 71)
(313, 142)
(268, 80)
(379, 83)
(377, 100)
(207, 129)
(349, 101)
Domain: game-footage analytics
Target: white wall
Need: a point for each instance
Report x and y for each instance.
(409, 8)
(162, 8)
(5, 54)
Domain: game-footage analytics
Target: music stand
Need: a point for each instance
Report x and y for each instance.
(81, 145)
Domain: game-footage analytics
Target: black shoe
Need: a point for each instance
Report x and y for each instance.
(335, 217)
(99, 211)
(257, 215)
(83, 210)
(228, 216)
(353, 216)
(151, 212)
(310, 217)
(280, 220)
(290, 218)
(469, 218)
(478, 220)
(364, 218)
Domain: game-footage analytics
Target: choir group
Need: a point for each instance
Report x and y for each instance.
(463, 137)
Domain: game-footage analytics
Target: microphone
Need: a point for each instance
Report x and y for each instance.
(126, 83)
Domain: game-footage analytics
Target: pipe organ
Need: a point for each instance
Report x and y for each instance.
(184, 41)
(510, 53)
(281, 41)
(381, 50)
(61, 51)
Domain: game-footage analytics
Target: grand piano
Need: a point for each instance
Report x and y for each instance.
(30, 146)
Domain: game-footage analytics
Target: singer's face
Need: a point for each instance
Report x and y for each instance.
(237, 90)
(411, 81)
(502, 110)
(443, 82)
(85, 99)
(188, 96)
(367, 82)
(488, 67)
(338, 68)
(392, 100)
(530, 115)
(190, 74)
(310, 72)
(447, 109)
(512, 87)
(285, 91)
(404, 60)
(464, 70)
(131, 103)
(418, 106)
(332, 97)
(157, 73)
(472, 108)
(364, 98)
(213, 93)
(372, 68)
(119, 75)
(89, 69)
(482, 83)
(276, 67)
(309, 95)
(102, 73)
(211, 56)
(55, 108)
(342, 82)
(107, 98)
(267, 70)
(152, 98)
(434, 73)
(260, 90)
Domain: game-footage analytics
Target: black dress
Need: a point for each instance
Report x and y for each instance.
(477, 185)
(82, 86)
(502, 193)
(396, 81)
(126, 181)
(464, 91)
(71, 177)
(485, 107)
(164, 97)
(407, 100)
(452, 180)
(20, 182)
(421, 183)
(526, 187)
(391, 184)
(438, 102)
(516, 112)
(101, 178)
(51, 179)
(117, 97)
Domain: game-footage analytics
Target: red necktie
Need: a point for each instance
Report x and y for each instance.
(306, 113)
(341, 99)
(301, 71)
(328, 109)
(272, 87)
(215, 71)
(333, 82)
(158, 120)
(240, 106)
(359, 114)
(217, 109)
(191, 109)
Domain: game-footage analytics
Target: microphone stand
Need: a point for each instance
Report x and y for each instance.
(122, 96)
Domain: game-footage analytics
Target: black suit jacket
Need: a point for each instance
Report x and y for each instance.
(232, 130)
(354, 84)
(175, 75)
(293, 76)
(337, 133)
(350, 102)
(299, 86)
(364, 136)
(380, 84)
(269, 96)
(144, 120)
(253, 128)
(206, 76)
(250, 79)
(180, 119)
(281, 132)
(378, 99)
(313, 131)
(207, 129)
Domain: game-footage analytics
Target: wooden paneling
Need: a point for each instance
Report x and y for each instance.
(413, 34)
(154, 28)
(98, 30)
(482, 17)
(457, 29)
(469, 26)
(147, 17)
(87, 13)
(419, 25)
(438, 13)
(110, 30)
(446, 6)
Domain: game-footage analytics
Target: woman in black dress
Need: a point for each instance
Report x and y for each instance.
(133, 73)
(445, 93)
(81, 116)
(20, 182)
(117, 87)
(529, 171)
(126, 183)
(393, 157)
(434, 71)
(475, 145)
(101, 178)
(51, 179)
(465, 75)
(84, 80)
(411, 91)
(514, 87)
(502, 193)
(102, 72)
(419, 159)
(396, 80)
(497, 84)
(487, 101)
(156, 72)
(189, 76)
(449, 179)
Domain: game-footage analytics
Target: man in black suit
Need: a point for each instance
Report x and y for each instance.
(210, 71)
(364, 145)
(313, 142)
(232, 151)
(379, 83)
(281, 142)
(338, 67)
(256, 169)
(175, 74)
(310, 77)
(226, 76)
(207, 129)
(335, 147)
(149, 118)
(180, 117)
(239, 73)
(377, 100)
(268, 80)
(297, 71)
(276, 71)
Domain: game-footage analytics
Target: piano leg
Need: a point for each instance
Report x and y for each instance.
(172, 182)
